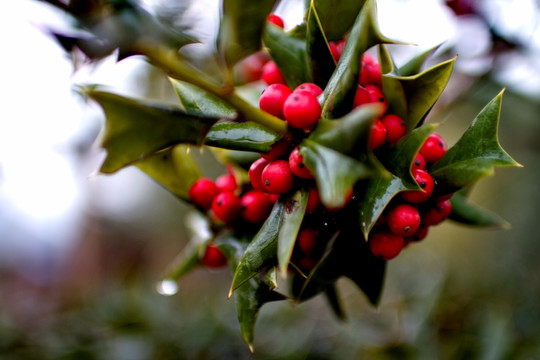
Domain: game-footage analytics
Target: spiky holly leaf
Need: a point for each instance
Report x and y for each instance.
(378, 192)
(477, 152)
(241, 28)
(321, 61)
(339, 93)
(245, 136)
(415, 64)
(337, 17)
(289, 53)
(197, 101)
(173, 168)
(136, 128)
(465, 212)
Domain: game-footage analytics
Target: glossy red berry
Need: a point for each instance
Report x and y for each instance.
(313, 200)
(376, 96)
(404, 220)
(273, 98)
(361, 96)
(426, 183)
(395, 127)
(276, 20)
(377, 137)
(227, 206)
(296, 163)
(419, 163)
(277, 177)
(202, 193)
(370, 73)
(307, 240)
(438, 213)
(256, 206)
(419, 235)
(309, 87)
(278, 150)
(336, 48)
(226, 182)
(213, 257)
(434, 148)
(385, 244)
(272, 75)
(302, 110)
(255, 174)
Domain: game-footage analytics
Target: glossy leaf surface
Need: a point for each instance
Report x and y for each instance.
(197, 101)
(465, 212)
(337, 16)
(246, 136)
(320, 58)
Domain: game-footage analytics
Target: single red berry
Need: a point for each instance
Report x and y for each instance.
(255, 173)
(278, 150)
(419, 235)
(361, 96)
(377, 137)
(213, 257)
(434, 148)
(385, 244)
(419, 163)
(256, 206)
(307, 240)
(227, 206)
(273, 197)
(404, 220)
(272, 75)
(313, 200)
(309, 87)
(202, 192)
(302, 110)
(276, 20)
(370, 74)
(376, 96)
(336, 48)
(444, 197)
(277, 177)
(426, 183)
(296, 163)
(273, 98)
(250, 68)
(395, 127)
(438, 213)
(226, 182)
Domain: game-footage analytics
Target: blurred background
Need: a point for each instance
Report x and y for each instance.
(81, 253)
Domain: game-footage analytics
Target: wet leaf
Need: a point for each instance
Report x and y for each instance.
(197, 101)
(320, 57)
(295, 208)
(246, 136)
(336, 16)
(477, 152)
(464, 212)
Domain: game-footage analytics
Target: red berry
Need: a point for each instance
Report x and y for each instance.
(404, 220)
(307, 240)
(385, 244)
(255, 173)
(297, 165)
(250, 68)
(370, 74)
(419, 235)
(313, 200)
(226, 182)
(273, 98)
(202, 193)
(276, 20)
(213, 257)
(273, 197)
(277, 177)
(438, 213)
(395, 127)
(434, 148)
(302, 110)
(419, 163)
(376, 96)
(377, 137)
(361, 96)
(309, 87)
(272, 75)
(227, 206)
(256, 206)
(278, 150)
(426, 183)
(336, 48)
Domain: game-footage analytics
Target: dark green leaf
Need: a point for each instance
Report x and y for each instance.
(320, 57)
(241, 28)
(173, 168)
(467, 213)
(295, 208)
(289, 53)
(136, 128)
(414, 65)
(261, 252)
(331, 294)
(337, 16)
(335, 173)
(197, 101)
(477, 152)
(246, 136)
(339, 93)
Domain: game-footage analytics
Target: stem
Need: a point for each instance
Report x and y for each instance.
(170, 61)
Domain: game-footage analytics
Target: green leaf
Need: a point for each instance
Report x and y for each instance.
(320, 57)
(467, 213)
(378, 192)
(173, 168)
(414, 65)
(336, 16)
(477, 152)
(197, 101)
(331, 294)
(295, 208)
(339, 93)
(241, 28)
(137, 128)
(246, 136)
(289, 53)
(261, 252)
(336, 173)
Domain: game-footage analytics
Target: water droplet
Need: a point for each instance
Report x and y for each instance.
(167, 287)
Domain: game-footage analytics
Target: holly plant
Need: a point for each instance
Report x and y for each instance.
(331, 168)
